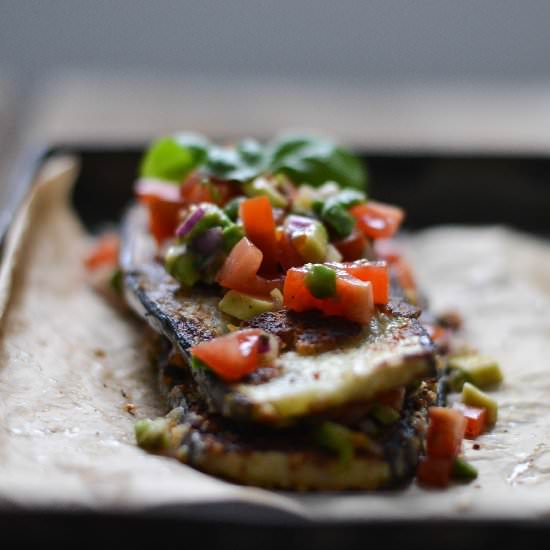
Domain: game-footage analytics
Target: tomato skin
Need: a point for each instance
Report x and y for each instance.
(288, 255)
(352, 247)
(259, 226)
(377, 220)
(375, 272)
(233, 355)
(240, 270)
(476, 420)
(193, 190)
(164, 203)
(104, 253)
(353, 298)
(445, 432)
(434, 472)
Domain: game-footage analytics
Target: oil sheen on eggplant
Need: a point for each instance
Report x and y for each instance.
(394, 350)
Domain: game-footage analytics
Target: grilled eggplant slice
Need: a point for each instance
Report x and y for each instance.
(288, 458)
(394, 350)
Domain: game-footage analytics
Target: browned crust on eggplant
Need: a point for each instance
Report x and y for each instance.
(290, 458)
(308, 333)
(187, 318)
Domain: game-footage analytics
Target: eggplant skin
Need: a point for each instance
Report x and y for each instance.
(288, 458)
(394, 350)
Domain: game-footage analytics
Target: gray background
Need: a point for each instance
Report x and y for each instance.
(342, 39)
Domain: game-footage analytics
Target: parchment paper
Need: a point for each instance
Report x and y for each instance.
(69, 363)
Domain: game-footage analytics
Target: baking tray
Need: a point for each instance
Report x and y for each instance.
(439, 188)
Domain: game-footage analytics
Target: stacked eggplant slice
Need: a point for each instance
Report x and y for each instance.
(343, 407)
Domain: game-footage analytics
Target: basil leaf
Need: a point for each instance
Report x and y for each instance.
(242, 163)
(173, 158)
(316, 161)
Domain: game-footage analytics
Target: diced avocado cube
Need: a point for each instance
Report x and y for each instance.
(336, 438)
(457, 378)
(312, 242)
(384, 414)
(231, 209)
(338, 219)
(213, 216)
(463, 470)
(474, 397)
(152, 435)
(334, 210)
(321, 281)
(481, 370)
(304, 198)
(180, 263)
(231, 236)
(261, 186)
(244, 306)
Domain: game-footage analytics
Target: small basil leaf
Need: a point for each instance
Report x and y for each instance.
(173, 158)
(196, 144)
(251, 152)
(316, 161)
(234, 164)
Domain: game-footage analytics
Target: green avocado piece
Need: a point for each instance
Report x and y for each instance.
(311, 242)
(180, 263)
(152, 435)
(231, 236)
(231, 209)
(213, 216)
(261, 186)
(384, 414)
(481, 370)
(474, 397)
(244, 306)
(336, 438)
(463, 470)
(321, 281)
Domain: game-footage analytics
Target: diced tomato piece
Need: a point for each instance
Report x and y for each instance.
(445, 432)
(164, 204)
(353, 298)
(104, 253)
(476, 419)
(353, 247)
(194, 190)
(259, 226)
(240, 271)
(288, 255)
(377, 220)
(163, 219)
(434, 472)
(233, 355)
(376, 273)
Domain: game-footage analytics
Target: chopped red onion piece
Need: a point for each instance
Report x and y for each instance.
(189, 222)
(298, 222)
(209, 241)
